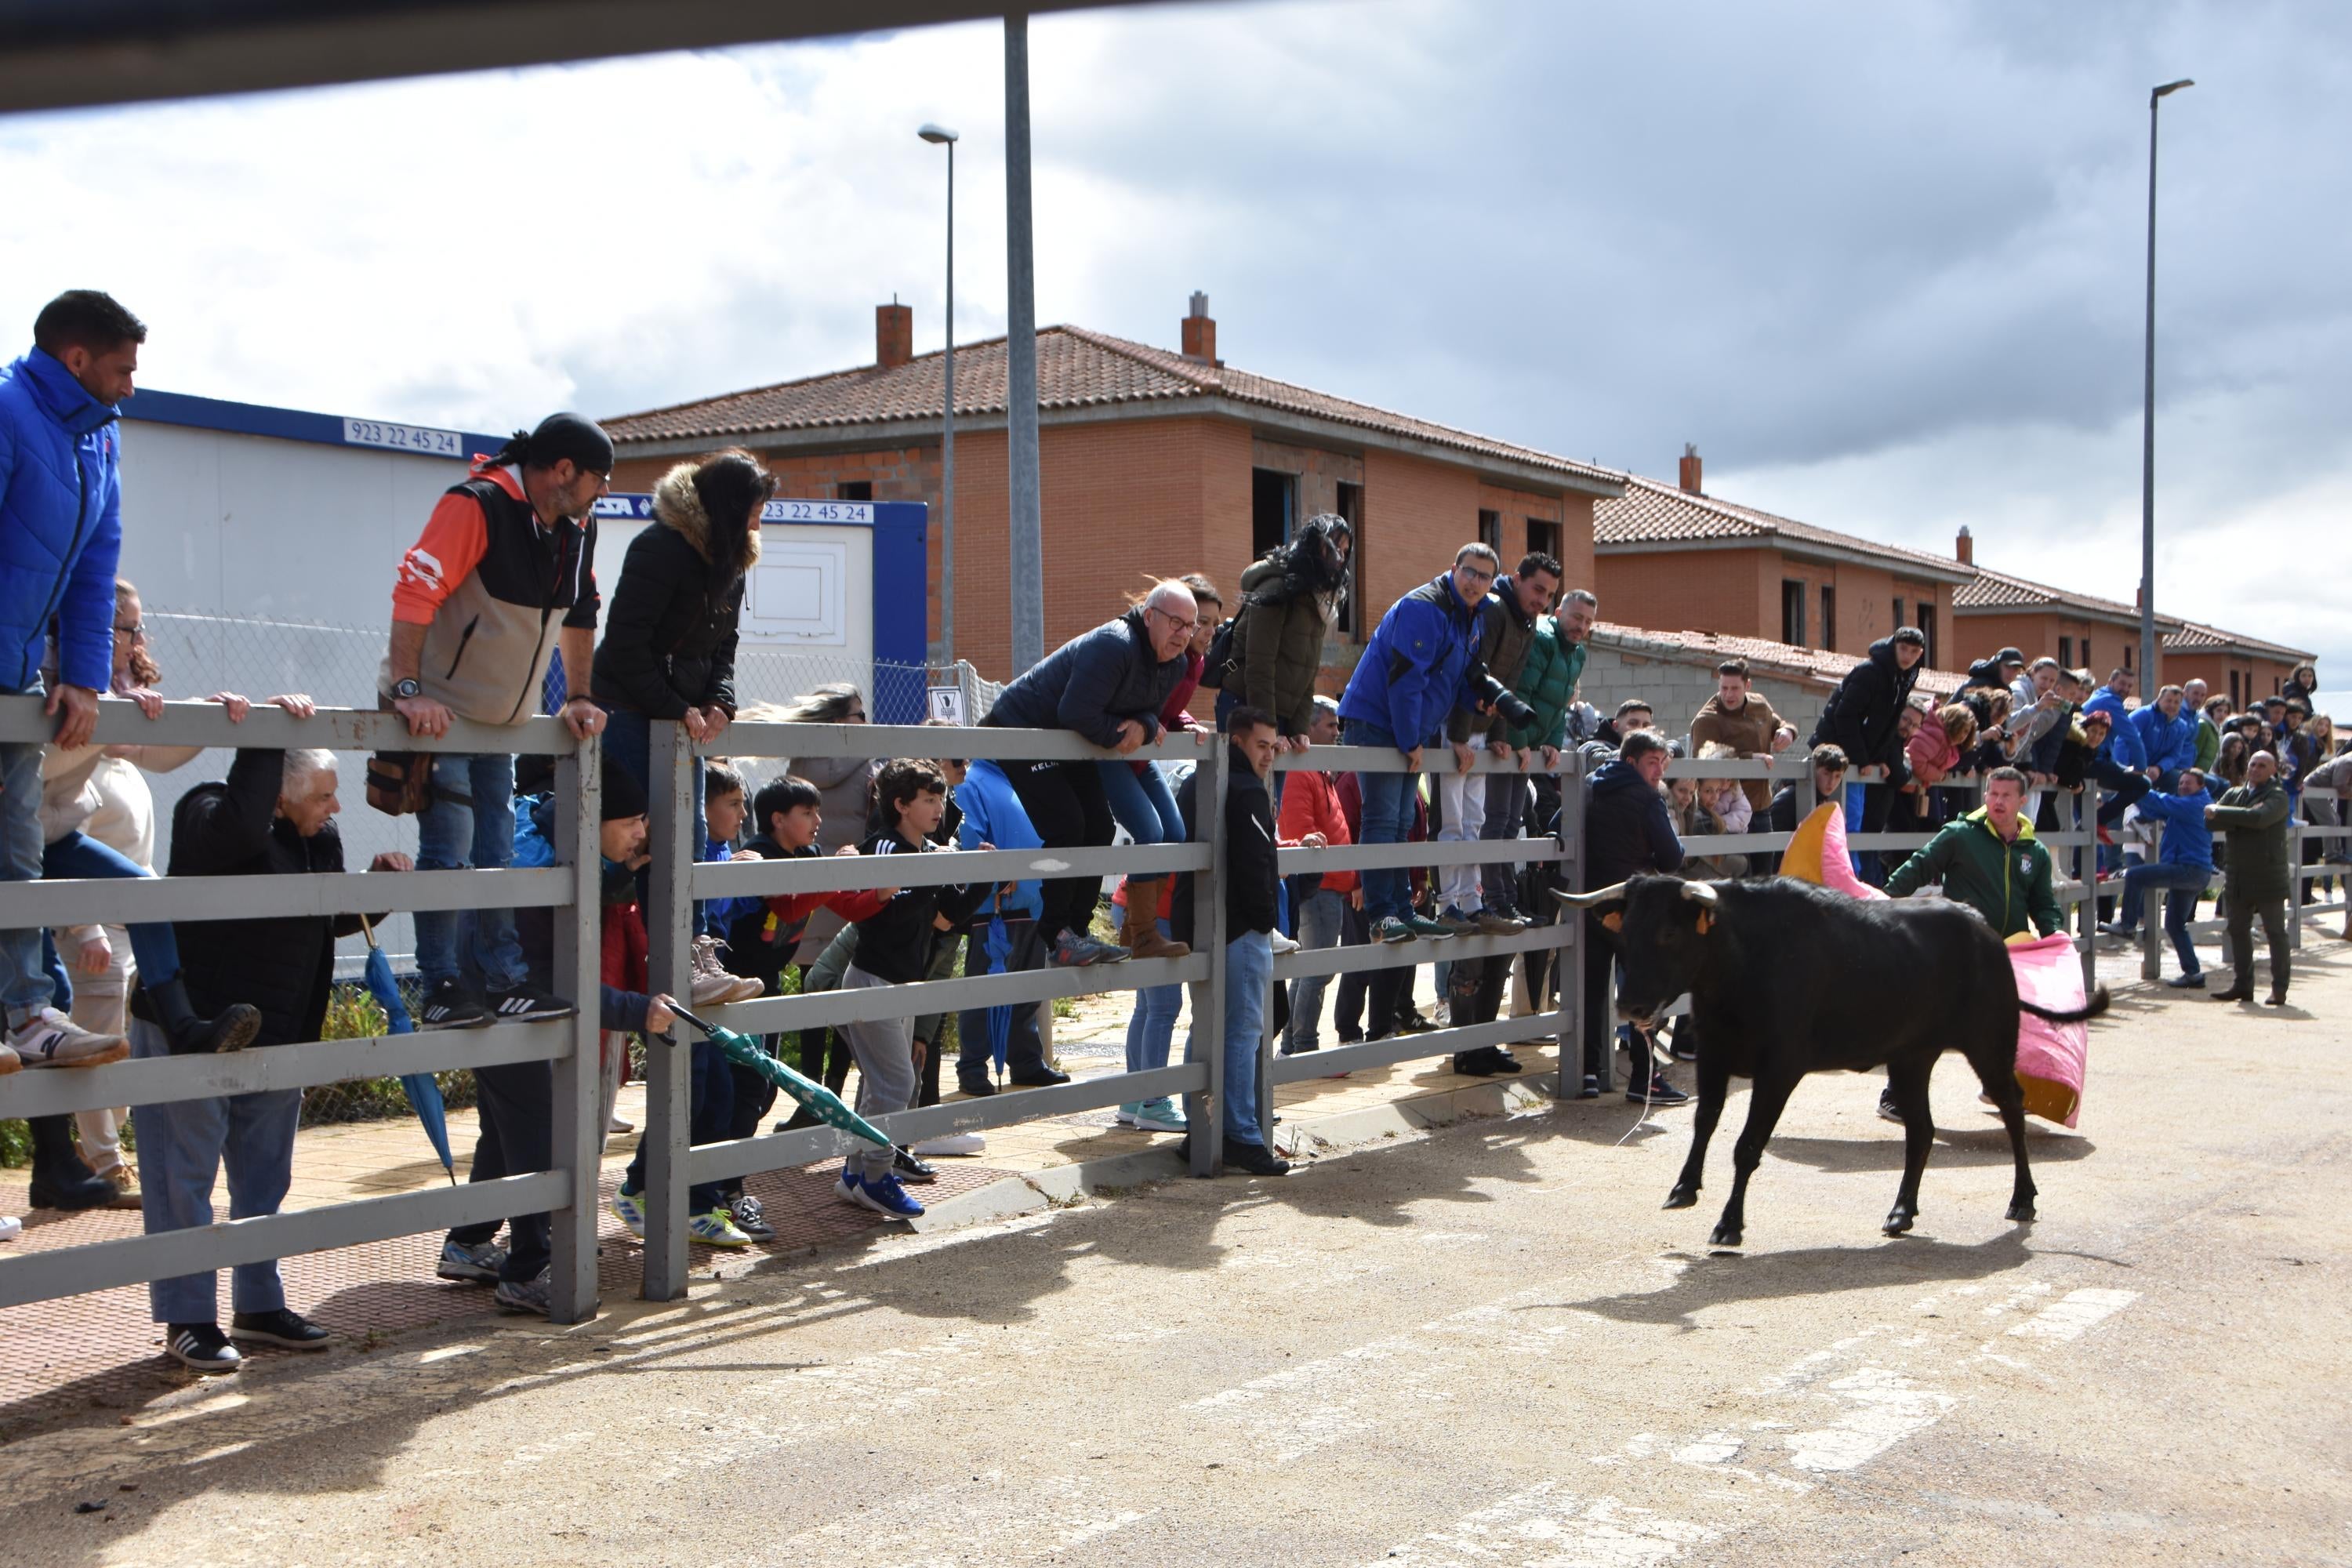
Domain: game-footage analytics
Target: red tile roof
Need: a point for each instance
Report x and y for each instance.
(1075, 369)
(1764, 657)
(2193, 638)
(1998, 591)
(1651, 512)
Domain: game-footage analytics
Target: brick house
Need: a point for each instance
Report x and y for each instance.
(2080, 631)
(1675, 673)
(1672, 555)
(2246, 668)
(1153, 462)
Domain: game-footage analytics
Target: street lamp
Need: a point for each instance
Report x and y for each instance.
(2150, 671)
(940, 136)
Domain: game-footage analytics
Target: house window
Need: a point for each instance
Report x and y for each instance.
(1792, 613)
(1928, 628)
(1899, 622)
(1490, 529)
(2127, 655)
(2086, 656)
(1543, 537)
(1829, 618)
(2237, 695)
(1273, 497)
(2066, 652)
(1351, 506)
(853, 489)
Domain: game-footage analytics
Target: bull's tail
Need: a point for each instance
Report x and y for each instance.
(2092, 1009)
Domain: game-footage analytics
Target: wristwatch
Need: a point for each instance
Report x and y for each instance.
(403, 689)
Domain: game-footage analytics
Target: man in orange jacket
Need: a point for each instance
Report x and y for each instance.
(1310, 805)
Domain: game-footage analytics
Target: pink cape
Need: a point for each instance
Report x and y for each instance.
(2051, 1058)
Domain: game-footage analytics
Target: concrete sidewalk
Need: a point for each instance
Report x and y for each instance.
(58, 1358)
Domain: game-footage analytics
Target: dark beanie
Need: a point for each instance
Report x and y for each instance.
(573, 435)
(624, 795)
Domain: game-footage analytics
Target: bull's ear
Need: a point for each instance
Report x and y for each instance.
(1615, 919)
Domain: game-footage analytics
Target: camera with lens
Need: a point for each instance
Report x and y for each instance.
(1500, 698)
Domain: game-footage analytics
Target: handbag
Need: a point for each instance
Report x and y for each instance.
(400, 783)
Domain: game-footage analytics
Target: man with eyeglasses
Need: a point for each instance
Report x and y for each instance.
(503, 576)
(1109, 686)
(1414, 676)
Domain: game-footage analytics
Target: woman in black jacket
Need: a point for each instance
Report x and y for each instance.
(668, 650)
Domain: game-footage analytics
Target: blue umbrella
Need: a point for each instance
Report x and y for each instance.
(423, 1089)
(998, 949)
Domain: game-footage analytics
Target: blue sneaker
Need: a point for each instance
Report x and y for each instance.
(882, 1193)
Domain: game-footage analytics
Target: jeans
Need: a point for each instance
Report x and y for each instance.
(1151, 1027)
(154, 946)
(23, 985)
(1023, 1049)
(1249, 972)
(2127, 787)
(1321, 918)
(181, 1148)
(469, 824)
(1388, 819)
(2186, 882)
(1140, 801)
(1462, 807)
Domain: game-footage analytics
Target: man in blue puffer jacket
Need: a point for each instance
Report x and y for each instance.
(2121, 766)
(61, 536)
(2183, 866)
(1413, 675)
(2167, 736)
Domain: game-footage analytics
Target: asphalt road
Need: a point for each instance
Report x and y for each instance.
(1488, 1346)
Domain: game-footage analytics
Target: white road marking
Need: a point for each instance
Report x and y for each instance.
(1548, 1525)
(2078, 1311)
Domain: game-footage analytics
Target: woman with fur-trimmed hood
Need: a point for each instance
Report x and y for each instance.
(668, 650)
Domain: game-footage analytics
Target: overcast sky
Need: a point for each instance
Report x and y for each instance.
(1882, 263)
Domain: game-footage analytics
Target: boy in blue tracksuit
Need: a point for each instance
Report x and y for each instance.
(993, 818)
(2183, 864)
(1417, 671)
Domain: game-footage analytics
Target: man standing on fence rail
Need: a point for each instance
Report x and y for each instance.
(274, 817)
(1862, 717)
(504, 573)
(60, 538)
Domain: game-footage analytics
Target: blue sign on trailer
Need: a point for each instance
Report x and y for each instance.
(901, 601)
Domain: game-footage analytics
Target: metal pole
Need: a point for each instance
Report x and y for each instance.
(577, 1084)
(668, 1120)
(2150, 671)
(1028, 553)
(946, 454)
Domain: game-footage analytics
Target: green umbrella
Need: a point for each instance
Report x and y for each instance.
(821, 1101)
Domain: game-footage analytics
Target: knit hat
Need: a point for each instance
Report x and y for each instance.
(623, 796)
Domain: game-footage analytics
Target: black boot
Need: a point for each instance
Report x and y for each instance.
(190, 1035)
(60, 1180)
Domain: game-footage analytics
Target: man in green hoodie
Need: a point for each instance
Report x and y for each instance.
(2255, 882)
(1991, 861)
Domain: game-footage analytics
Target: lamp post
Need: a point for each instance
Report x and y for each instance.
(2150, 671)
(1025, 509)
(940, 136)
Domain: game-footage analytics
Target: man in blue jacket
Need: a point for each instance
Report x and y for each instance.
(1413, 675)
(2121, 767)
(2183, 864)
(2166, 732)
(61, 536)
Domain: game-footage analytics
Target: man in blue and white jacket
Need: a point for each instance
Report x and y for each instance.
(61, 536)
(2121, 766)
(2183, 866)
(1412, 678)
(2166, 733)
(994, 818)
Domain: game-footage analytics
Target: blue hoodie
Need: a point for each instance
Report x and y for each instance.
(2121, 746)
(993, 813)
(1415, 671)
(60, 524)
(2167, 743)
(2188, 841)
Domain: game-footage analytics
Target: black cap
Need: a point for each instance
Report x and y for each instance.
(623, 796)
(2009, 656)
(573, 435)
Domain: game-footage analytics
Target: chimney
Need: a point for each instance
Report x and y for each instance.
(894, 335)
(1691, 468)
(1965, 547)
(1200, 338)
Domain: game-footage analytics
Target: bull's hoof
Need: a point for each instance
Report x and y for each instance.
(1682, 1198)
(2022, 1212)
(1725, 1235)
(1898, 1220)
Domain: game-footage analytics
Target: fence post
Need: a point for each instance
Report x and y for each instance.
(1568, 961)
(2086, 871)
(2151, 916)
(669, 962)
(578, 1084)
(2296, 880)
(1204, 1112)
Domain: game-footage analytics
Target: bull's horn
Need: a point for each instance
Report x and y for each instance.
(1586, 900)
(1702, 893)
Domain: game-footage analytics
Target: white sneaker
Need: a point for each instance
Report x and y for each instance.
(952, 1144)
(9, 1227)
(1282, 943)
(54, 1040)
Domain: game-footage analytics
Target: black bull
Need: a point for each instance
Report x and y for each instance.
(1786, 978)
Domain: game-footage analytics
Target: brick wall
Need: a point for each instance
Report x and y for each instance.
(2035, 633)
(1733, 593)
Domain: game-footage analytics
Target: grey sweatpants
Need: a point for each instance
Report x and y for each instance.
(885, 1051)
